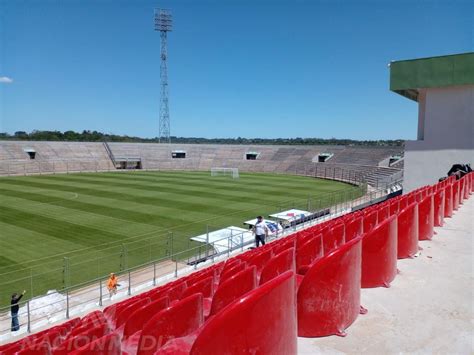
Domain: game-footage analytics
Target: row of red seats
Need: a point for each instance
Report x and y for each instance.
(306, 284)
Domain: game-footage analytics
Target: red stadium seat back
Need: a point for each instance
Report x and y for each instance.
(403, 203)
(81, 328)
(233, 288)
(212, 272)
(260, 259)
(426, 218)
(139, 317)
(263, 320)
(308, 252)
(279, 264)
(92, 319)
(54, 336)
(408, 231)
(70, 324)
(227, 274)
(439, 207)
(334, 237)
(419, 195)
(231, 263)
(40, 348)
(205, 287)
(175, 292)
(379, 254)
(124, 313)
(106, 345)
(81, 339)
(12, 348)
(328, 297)
(370, 221)
(448, 201)
(159, 293)
(179, 320)
(354, 228)
(383, 212)
(394, 206)
(279, 246)
(303, 236)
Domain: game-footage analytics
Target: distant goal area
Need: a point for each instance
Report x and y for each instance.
(230, 172)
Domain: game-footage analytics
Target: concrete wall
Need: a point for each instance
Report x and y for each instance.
(446, 118)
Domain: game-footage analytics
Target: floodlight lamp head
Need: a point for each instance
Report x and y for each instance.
(163, 20)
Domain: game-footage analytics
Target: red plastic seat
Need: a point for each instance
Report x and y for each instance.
(41, 348)
(456, 194)
(92, 319)
(124, 313)
(175, 291)
(204, 274)
(227, 274)
(426, 218)
(106, 345)
(205, 286)
(439, 207)
(179, 320)
(287, 243)
(308, 252)
(260, 259)
(280, 263)
(261, 322)
(329, 295)
(231, 263)
(403, 203)
(354, 228)
(408, 231)
(448, 201)
(333, 237)
(379, 254)
(383, 212)
(370, 221)
(139, 317)
(233, 288)
(466, 187)
(82, 339)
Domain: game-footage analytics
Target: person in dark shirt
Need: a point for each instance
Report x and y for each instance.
(14, 310)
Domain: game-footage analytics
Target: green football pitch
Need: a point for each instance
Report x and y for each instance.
(63, 230)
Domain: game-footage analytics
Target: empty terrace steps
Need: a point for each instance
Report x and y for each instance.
(83, 156)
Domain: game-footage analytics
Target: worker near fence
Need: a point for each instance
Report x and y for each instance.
(261, 231)
(112, 284)
(14, 308)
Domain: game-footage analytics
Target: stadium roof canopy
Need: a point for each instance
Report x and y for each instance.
(408, 76)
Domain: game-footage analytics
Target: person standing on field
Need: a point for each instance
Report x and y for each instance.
(14, 310)
(261, 231)
(112, 284)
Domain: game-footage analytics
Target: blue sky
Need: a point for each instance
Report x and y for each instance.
(236, 68)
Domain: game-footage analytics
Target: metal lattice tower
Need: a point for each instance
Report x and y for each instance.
(163, 24)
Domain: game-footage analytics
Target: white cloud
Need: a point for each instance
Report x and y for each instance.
(5, 80)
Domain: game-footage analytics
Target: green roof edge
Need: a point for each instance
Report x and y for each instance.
(407, 76)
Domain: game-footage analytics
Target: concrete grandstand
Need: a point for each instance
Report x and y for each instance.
(369, 163)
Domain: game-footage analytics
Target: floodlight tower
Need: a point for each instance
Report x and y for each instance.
(163, 24)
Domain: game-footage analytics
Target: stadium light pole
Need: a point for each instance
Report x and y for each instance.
(163, 24)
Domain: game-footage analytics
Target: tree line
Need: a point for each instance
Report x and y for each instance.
(94, 136)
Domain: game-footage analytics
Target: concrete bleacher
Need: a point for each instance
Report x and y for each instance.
(52, 157)
(93, 156)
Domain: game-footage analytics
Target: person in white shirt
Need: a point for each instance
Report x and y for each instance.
(261, 231)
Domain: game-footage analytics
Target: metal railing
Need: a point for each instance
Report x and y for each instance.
(75, 299)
